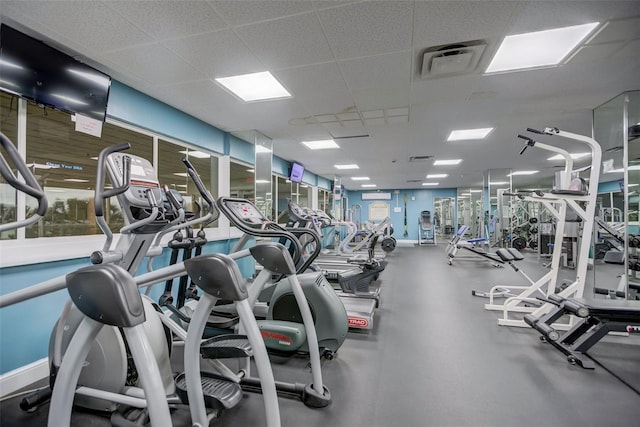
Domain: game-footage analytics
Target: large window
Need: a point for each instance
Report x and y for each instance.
(65, 163)
(172, 173)
(8, 126)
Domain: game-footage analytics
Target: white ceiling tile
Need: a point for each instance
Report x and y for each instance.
(542, 15)
(616, 30)
(327, 118)
(377, 121)
(348, 116)
(287, 42)
(326, 4)
(368, 28)
(352, 123)
(164, 19)
(631, 50)
(90, 23)
(398, 119)
(216, 54)
(373, 114)
(383, 97)
(398, 112)
(246, 11)
(392, 69)
(320, 88)
(440, 22)
(157, 64)
(597, 52)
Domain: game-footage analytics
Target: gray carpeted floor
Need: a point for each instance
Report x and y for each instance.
(436, 358)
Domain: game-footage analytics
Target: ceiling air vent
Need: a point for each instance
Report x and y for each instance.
(451, 59)
(419, 158)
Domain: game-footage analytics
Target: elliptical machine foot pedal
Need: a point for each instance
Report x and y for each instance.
(226, 346)
(219, 392)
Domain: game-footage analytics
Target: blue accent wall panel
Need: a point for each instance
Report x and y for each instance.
(25, 328)
(241, 150)
(324, 183)
(134, 107)
(280, 166)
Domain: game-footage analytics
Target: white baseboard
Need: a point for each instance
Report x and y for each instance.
(13, 381)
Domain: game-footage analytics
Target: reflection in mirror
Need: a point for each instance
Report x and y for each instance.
(284, 196)
(617, 129)
(444, 215)
(241, 181)
(263, 191)
(499, 222)
(470, 211)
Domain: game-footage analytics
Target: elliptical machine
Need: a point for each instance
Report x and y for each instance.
(103, 371)
(284, 327)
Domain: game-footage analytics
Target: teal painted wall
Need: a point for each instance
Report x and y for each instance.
(136, 108)
(25, 328)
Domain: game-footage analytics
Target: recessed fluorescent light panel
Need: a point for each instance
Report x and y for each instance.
(467, 134)
(368, 185)
(538, 49)
(360, 178)
(476, 191)
(523, 173)
(196, 154)
(350, 166)
(324, 144)
(499, 183)
(429, 183)
(254, 87)
(437, 175)
(447, 162)
(574, 156)
(75, 180)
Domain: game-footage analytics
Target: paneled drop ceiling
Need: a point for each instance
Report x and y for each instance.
(354, 69)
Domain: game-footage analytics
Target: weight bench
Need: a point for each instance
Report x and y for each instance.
(597, 319)
(507, 256)
(470, 245)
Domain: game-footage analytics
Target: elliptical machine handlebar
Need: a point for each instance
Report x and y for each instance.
(30, 185)
(202, 189)
(101, 193)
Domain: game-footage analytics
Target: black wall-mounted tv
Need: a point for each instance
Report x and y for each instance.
(33, 70)
(297, 170)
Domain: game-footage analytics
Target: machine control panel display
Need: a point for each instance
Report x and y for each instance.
(143, 178)
(246, 212)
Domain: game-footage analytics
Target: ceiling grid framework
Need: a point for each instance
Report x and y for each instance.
(351, 63)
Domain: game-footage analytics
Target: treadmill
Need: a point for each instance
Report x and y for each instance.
(353, 275)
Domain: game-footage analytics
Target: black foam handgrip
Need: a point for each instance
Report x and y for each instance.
(535, 131)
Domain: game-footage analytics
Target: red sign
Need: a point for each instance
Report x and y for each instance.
(283, 339)
(358, 322)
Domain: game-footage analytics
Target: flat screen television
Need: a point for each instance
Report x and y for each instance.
(40, 73)
(297, 170)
